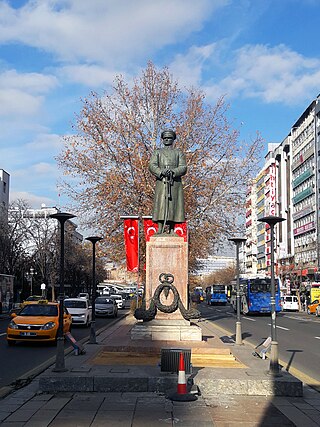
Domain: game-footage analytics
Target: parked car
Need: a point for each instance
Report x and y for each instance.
(37, 322)
(80, 310)
(105, 306)
(84, 295)
(290, 303)
(312, 307)
(119, 300)
(16, 307)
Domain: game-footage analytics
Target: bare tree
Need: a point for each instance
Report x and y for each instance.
(32, 239)
(114, 136)
(12, 237)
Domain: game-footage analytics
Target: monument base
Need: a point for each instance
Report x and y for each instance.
(166, 330)
(169, 255)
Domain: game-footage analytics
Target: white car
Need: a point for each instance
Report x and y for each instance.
(105, 306)
(84, 295)
(119, 300)
(80, 310)
(290, 303)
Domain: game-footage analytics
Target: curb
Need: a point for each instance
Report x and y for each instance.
(306, 379)
(26, 378)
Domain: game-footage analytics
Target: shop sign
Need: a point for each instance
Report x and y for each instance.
(304, 228)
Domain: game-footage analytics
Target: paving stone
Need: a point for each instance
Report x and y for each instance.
(42, 418)
(43, 396)
(187, 414)
(33, 404)
(152, 418)
(113, 418)
(21, 415)
(4, 415)
(56, 403)
(73, 418)
(13, 424)
(313, 414)
(137, 395)
(13, 401)
(297, 417)
(88, 404)
(302, 405)
(117, 406)
(10, 408)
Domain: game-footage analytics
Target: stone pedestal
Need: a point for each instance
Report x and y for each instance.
(167, 254)
(166, 330)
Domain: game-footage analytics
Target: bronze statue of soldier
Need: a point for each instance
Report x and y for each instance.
(168, 165)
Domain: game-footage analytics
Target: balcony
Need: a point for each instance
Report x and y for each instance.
(302, 195)
(301, 178)
(302, 158)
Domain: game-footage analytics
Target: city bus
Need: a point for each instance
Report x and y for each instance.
(217, 294)
(255, 295)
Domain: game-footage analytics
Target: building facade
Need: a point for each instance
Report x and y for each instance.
(214, 263)
(305, 191)
(4, 191)
(43, 224)
(288, 186)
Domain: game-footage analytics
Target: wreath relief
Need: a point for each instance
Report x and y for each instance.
(166, 285)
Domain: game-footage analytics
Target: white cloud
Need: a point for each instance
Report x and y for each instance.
(89, 75)
(29, 82)
(21, 94)
(34, 182)
(273, 74)
(45, 142)
(17, 103)
(33, 200)
(44, 147)
(189, 67)
(44, 168)
(39, 174)
(106, 31)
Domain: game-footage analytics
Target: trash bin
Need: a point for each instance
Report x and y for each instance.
(170, 359)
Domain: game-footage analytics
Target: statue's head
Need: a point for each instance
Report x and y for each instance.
(168, 136)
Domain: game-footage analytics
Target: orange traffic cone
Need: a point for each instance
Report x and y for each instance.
(182, 385)
(181, 394)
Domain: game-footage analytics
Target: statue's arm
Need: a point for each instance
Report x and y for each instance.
(182, 165)
(154, 165)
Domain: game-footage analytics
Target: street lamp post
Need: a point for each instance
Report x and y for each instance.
(62, 217)
(238, 241)
(31, 280)
(274, 368)
(93, 240)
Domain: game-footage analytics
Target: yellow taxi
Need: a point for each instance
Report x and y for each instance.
(312, 307)
(31, 300)
(37, 322)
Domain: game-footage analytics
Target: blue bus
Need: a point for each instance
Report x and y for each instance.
(216, 294)
(255, 295)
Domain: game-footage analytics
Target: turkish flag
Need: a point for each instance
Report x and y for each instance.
(180, 228)
(150, 228)
(131, 239)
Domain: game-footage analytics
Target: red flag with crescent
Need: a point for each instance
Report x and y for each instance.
(150, 228)
(131, 239)
(180, 228)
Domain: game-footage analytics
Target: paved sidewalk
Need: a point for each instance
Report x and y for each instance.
(32, 407)
(28, 407)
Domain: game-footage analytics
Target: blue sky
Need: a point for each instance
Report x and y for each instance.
(263, 55)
